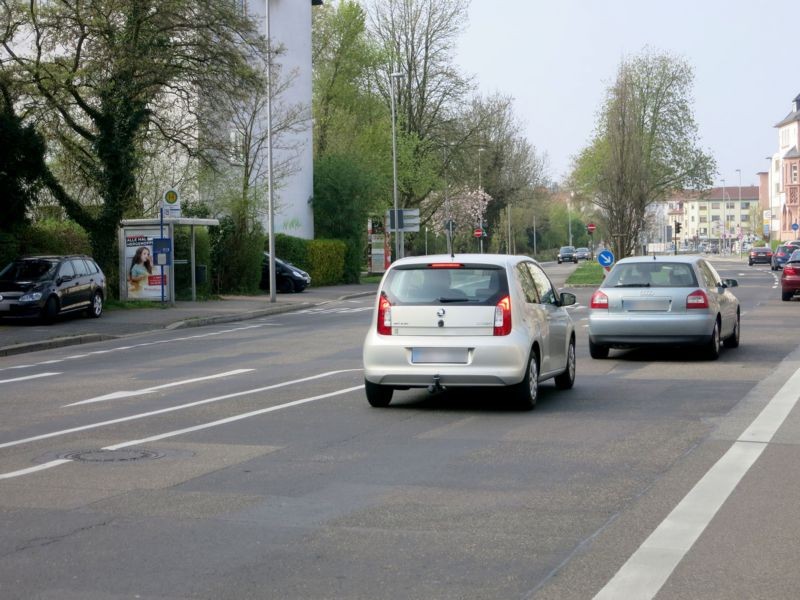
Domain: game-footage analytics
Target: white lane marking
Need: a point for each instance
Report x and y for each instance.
(28, 377)
(142, 345)
(170, 409)
(232, 419)
(178, 432)
(337, 310)
(646, 571)
(150, 390)
(28, 471)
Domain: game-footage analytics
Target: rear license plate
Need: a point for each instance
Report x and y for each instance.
(439, 355)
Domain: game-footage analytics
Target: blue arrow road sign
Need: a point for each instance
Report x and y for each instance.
(795, 226)
(605, 258)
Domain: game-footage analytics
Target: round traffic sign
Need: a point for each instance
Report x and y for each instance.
(795, 226)
(591, 227)
(478, 232)
(605, 258)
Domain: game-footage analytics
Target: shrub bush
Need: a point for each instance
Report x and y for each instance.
(236, 257)
(327, 261)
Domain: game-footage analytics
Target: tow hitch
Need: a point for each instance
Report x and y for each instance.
(435, 386)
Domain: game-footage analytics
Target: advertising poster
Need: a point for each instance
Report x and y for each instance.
(143, 276)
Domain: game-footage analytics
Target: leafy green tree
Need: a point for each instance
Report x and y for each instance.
(104, 76)
(646, 146)
(21, 163)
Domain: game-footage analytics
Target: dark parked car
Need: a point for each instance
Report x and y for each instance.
(780, 256)
(288, 278)
(790, 278)
(46, 286)
(567, 254)
(761, 255)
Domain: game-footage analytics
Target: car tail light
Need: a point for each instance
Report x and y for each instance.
(599, 300)
(384, 315)
(790, 271)
(781, 254)
(697, 299)
(753, 254)
(502, 316)
(769, 254)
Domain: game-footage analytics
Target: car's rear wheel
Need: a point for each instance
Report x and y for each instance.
(732, 341)
(50, 310)
(96, 307)
(526, 392)
(597, 350)
(378, 395)
(712, 346)
(566, 380)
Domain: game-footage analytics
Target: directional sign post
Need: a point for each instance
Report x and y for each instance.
(590, 227)
(606, 259)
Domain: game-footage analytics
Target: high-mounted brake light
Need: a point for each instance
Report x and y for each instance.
(697, 299)
(446, 266)
(384, 315)
(599, 300)
(502, 316)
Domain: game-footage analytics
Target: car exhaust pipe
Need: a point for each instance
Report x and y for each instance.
(435, 386)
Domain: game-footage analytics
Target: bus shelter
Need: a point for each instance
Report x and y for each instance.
(146, 263)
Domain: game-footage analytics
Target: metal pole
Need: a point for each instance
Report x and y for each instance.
(398, 249)
(722, 238)
(569, 215)
(270, 203)
(480, 187)
(739, 237)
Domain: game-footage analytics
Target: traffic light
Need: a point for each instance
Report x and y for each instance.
(677, 227)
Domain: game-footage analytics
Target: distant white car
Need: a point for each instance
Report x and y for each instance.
(468, 320)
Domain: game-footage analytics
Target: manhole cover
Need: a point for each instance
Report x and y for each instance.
(106, 456)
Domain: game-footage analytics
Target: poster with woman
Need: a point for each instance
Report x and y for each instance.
(143, 276)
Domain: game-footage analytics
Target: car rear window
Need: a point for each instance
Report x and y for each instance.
(424, 284)
(651, 274)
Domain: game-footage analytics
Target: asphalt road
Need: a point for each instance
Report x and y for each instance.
(241, 460)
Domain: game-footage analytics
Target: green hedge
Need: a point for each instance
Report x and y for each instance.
(44, 237)
(324, 260)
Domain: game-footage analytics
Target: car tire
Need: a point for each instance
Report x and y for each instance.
(786, 296)
(712, 345)
(732, 341)
(378, 395)
(750, 263)
(95, 308)
(285, 286)
(566, 380)
(526, 392)
(597, 351)
(50, 310)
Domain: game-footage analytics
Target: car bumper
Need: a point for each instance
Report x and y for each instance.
(647, 329)
(790, 285)
(19, 309)
(489, 361)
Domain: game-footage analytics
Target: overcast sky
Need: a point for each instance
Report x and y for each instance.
(557, 58)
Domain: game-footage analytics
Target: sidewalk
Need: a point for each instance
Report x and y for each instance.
(30, 335)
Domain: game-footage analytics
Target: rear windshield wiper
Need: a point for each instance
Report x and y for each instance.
(444, 299)
(632, 285)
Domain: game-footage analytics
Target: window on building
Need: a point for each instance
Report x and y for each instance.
(745, 218)
(730, 205)
(714, 218)
(794, 173)
(715, 205)
(702, 207)
(730, 217)
(704, 219)
(745, 205)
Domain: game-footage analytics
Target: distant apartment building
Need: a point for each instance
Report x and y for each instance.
(781, 183)
(724, 215)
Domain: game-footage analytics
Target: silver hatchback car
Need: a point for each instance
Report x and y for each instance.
(665, 300)
(468, 320)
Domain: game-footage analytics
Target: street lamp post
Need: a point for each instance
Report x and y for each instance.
(739, 237)
(397, 245)
(722, 229)
(270, 192)
(569, 215)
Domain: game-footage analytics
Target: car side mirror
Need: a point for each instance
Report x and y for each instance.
(730, 283)
(568, 299)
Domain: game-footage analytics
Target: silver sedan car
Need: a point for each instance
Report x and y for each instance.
(666, 300)
(468, 320)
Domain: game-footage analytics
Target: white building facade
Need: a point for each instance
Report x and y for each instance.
(290, 27)
(783, 178)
